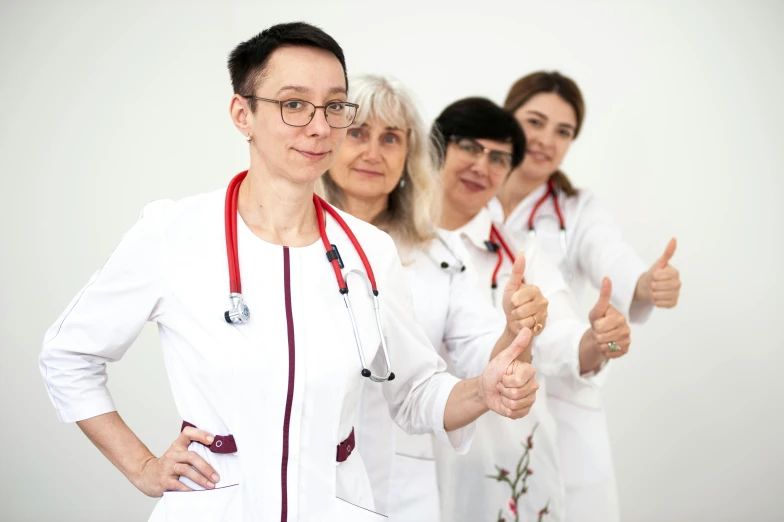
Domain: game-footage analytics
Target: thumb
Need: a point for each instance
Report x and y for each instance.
(516, 279)
(668, 253)
(514, 350)
(599, 310)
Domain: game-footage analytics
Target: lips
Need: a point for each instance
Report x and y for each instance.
(369, 173)
(538, 156)
(313, 155)
(472, 185)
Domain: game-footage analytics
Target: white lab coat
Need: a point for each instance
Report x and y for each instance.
(467, 495)
(286, 384)
(595, 250)
(447, 305)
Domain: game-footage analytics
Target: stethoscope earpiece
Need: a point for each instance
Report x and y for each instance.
(460, 266)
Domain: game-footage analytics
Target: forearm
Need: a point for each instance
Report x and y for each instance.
(591, 358)
(464, 405)
(118, 443)
(503, 343)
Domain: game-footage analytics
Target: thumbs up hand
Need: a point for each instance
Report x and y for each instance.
(661, 285)
(524, 305)
(508, 385)
(609, 335)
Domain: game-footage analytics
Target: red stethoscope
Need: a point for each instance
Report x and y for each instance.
(551, 193)
(497, 244)
(239, 312)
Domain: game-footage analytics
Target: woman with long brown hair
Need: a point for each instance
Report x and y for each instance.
(579, 234)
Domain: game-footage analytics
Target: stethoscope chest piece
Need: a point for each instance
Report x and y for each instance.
(239, 312)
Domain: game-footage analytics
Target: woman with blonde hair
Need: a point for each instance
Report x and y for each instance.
(384, 175)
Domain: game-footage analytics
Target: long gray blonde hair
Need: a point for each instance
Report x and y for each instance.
(412, 209)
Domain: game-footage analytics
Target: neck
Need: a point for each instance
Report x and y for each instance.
(278, 210)
(366, 209)
(453, 218)
(517, 187)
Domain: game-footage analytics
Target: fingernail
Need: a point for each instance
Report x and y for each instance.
(210, 438)
(215, 477)
(210, 485)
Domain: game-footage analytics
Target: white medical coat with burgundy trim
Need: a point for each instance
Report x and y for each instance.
(286, 385)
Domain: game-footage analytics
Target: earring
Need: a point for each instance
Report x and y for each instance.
(248, 138)
(402, 182)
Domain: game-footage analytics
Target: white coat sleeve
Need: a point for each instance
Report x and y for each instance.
(473, 325)
(102, 322)
(417, 396)
(601, 251)
(557, 349)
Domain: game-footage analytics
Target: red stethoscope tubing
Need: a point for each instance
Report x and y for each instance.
(551, 193)
(235, 282)
(501, 248)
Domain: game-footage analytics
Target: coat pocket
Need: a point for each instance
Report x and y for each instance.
(347, 512)
(213, 505)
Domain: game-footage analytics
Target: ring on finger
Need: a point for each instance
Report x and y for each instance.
(538, 327)
(174, 469)
(613, 346)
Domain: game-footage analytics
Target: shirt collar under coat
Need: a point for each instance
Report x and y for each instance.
(478, 229)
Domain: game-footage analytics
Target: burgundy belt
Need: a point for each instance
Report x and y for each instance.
(227, 444)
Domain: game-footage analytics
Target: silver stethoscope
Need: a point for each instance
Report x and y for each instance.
(239, 312)
(456, 267)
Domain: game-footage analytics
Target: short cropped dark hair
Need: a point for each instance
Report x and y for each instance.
(478, 118)
(248, 61)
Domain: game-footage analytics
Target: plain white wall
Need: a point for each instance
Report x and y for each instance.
(105, 106)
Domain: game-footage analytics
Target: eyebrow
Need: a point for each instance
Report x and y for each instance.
(389, 128)
(537, 113)
(301, 89)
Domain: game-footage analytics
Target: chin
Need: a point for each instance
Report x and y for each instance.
(306, 175)
(539, 174)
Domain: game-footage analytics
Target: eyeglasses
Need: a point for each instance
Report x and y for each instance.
(498, 161)
(299, 113)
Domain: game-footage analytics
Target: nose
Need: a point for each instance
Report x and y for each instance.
(481, 165)
(372, 152)
(544, 137)
(318, 126)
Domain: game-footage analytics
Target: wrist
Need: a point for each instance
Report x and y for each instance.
(591, 356)
(137, 472)
(642, 292)
(475, 391)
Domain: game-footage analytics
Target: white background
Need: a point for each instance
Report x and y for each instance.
(106, 106)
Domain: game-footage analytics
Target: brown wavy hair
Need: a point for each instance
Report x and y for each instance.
(542, 82)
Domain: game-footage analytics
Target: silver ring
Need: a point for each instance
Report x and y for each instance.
(613, 346)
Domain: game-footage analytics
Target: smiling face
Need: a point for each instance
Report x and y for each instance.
(470, 181)
(371, 161)
(549, 123)
(299, 154)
